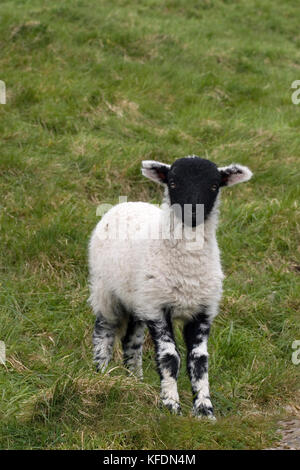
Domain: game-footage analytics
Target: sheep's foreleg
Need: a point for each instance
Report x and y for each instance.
(168, 361)
(133, 346)
(103, 341)
(196, 334)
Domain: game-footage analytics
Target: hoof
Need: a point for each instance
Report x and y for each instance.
(174, 408)
(101, 367)
(203, 411)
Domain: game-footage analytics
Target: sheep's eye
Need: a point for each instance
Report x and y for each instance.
(214, 187)
(172, 185)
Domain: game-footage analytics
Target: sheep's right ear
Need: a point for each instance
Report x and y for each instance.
(155, 171)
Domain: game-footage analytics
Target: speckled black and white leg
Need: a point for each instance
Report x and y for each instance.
(133, 346)
(196, 334)
(103, 341)
(167, 359)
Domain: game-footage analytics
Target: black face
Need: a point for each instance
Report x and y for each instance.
(193, 181)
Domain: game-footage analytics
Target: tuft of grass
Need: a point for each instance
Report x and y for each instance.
(92, 89)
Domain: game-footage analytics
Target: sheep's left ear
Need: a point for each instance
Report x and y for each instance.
(234, 174)
(155, 171)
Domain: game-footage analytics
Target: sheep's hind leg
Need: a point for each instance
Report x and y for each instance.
(168, 361)
(103, 341)
(133, 346)
(196, 335)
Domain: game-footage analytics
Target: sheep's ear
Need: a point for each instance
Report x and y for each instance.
(234, 174)
(155, 171)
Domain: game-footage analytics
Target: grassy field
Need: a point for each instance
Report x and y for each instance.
(94, 87)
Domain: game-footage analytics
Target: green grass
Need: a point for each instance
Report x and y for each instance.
(94, 87)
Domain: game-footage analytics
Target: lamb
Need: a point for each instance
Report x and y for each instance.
(138, 280)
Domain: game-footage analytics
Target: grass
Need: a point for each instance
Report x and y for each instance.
(92, 89)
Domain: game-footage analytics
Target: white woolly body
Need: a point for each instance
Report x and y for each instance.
(147, 275)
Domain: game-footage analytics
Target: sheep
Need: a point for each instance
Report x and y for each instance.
(141, 280)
